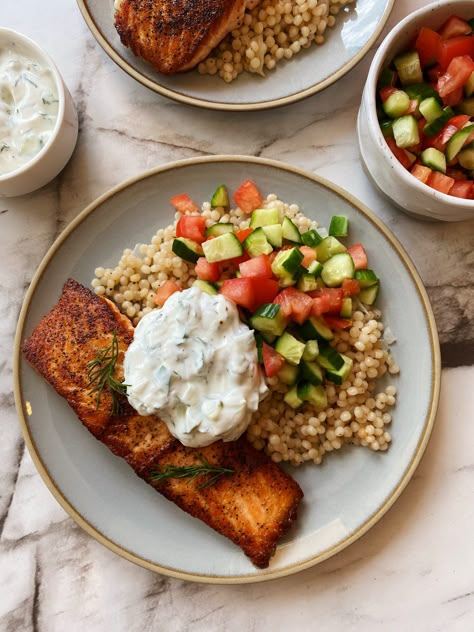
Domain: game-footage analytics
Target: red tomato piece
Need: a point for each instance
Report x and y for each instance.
(463, 189)
(420, 172)
(294, 304)
(309, 255)
(207, 271)
(350, 287)
(243, 233)
(248, 197)
(427, 46)
(257, 267)
(265, 290)
(332, 298)
(440, 182)
(400, 154)
(163, 293)
(455, 47)
(338, 323)
(454, 98)
(434, 73)
(241, 291)
(321, 305)
(184, 204)
(453, 27)
(283, 299)
(359, 256)
(457, 73)
(272, 360)
(192, 227)
(456, 174)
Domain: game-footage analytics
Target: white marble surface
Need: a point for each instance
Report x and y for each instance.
(414, 571)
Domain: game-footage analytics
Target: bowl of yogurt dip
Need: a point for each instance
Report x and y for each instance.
(38, 120)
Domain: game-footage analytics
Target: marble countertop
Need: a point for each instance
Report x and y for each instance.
(414, 570)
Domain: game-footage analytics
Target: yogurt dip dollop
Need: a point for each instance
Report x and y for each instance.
(28, 107)
(194, 364)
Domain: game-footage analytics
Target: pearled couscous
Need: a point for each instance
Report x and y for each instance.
(357, 411)
(272, 31)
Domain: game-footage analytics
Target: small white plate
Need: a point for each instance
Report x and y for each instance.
(344, 496)
(309, 72)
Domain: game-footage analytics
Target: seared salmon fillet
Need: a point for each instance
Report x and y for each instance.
(175, 35)
(254, 505)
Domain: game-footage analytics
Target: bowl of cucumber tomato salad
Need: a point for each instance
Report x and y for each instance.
(416, 120)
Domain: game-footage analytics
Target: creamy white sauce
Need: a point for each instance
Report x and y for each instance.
(194, 364)
(28, 107)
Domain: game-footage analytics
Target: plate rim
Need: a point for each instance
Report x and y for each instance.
(156, 87)
(265, 574)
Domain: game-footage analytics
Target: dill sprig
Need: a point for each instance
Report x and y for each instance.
(204, 468)
(101, 375)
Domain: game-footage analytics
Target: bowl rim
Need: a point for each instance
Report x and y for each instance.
(43, 55)
(376, 65)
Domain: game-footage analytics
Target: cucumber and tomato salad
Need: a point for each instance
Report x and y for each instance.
(295, 289)
(426, 107)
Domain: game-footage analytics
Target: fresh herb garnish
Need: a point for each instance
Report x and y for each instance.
(204, 468)
(101, 375)
(4, 147)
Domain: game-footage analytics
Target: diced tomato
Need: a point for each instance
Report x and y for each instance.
(453, 27)
(241, 291)
(192, 227)
(243, 233)
(456, 174)
(248, 197)
(184, 204)
(283, 299)
(294, 304)
(455, 47)
(440, 182)
(257, 267)
(386, 92)
(441, 139)
(163, 293)
(207, 271)
(309, 255)
(338, 323)
(454, 98)
(427, 45)
(420, 172)
(434, 73)
(457, 73)
(412, 106)
(359, 256)
(332, 297)
(459, 120)
(400, 154)
(350, 287)
(272, 360)
(463, 189)
(265, 290)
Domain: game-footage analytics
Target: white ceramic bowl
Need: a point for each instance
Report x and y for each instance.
(392, 179)
(51, 159)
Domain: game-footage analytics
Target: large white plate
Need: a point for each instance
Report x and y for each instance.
(307, 73)
(343, 498)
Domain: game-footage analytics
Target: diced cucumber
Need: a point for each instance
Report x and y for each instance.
(329, 247)
(467, 106)
(223, 247)
(187, 249)
(386, 78)
(469, 86)
(397, 104)
(339, 267)
(340, 375)
(315, 328)
(205, 286)
(290, 348)
(286, 265)
(264, 217)
(431, 109)
(311, 350)
(369, 294)
(257, 243)
(329, 358)
(346, 307)
(290, 231)
(409, 68)
(307, 282)
(365, 277)
(466, 157)
(288, 374)
(259, 344)
(421, 91)
(269, 319)
(339, 226)
(315, 268)
(312, 372)
(387, 128)
(434, 159)
(457, 141)
(292, 398)
(405, 131)
(431, 129)
(220, 197)
(315, 395)
(311, 238)
(274, 234)
(219, 229)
